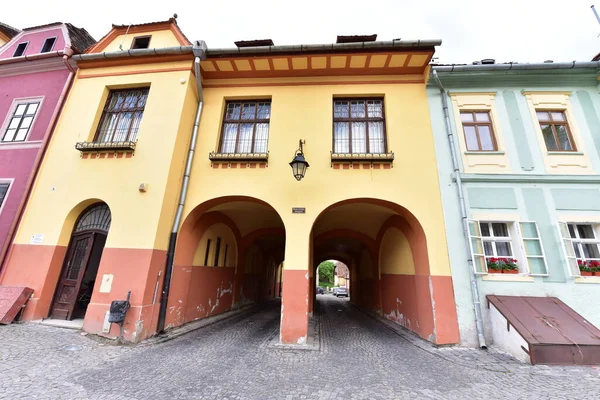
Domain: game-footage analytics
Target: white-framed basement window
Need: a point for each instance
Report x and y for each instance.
(581, 244)
(507, 239)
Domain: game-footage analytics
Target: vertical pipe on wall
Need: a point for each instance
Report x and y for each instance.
(199, 51)
(463, 212)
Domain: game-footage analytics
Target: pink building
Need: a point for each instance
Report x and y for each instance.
(35, 76)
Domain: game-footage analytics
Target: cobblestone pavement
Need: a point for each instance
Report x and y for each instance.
(358, 358)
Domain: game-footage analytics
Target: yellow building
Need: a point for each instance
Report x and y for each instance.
(108, 214)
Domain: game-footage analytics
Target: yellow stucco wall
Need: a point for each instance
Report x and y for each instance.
(139, 220)
(395, 256)
(305, 112)
(227, 242)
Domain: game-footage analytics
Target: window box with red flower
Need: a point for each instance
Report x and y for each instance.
(589, 268)
(502, 265)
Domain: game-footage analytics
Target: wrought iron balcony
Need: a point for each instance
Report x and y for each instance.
(105, 146)
(214, 156)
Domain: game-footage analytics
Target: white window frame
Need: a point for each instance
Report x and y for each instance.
(568, 244)
(11, 111)
(493, 239)
(518, 246)
(53, 44)
(24, 50)
(579, 241)
(9, 182)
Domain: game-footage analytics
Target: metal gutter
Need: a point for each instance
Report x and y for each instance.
(516, 66)
(199, 51)
(316, 48)
(135, 53)
(463, 213)
(33, 57)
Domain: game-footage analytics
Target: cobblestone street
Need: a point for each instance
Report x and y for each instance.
(359, 358)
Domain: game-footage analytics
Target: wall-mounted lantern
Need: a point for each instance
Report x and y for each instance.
(299, 163)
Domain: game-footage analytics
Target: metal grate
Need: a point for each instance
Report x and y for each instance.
(96, 217)
(122, 115)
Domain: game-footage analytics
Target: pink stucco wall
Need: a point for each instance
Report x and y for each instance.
(36, 41)
(16, 160)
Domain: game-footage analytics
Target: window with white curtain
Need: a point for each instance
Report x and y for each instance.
(122, 115)
(246, 127)
(358, 126)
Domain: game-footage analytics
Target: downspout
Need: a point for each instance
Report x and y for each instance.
(463, 213)
(199, 51)
(6, 249)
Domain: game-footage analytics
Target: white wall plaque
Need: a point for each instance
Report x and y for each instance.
(37, 238)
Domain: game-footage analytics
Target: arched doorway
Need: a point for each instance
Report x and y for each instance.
(76, 284)
(388, 257)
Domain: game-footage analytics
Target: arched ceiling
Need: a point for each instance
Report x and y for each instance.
(250, 216)
(360, 217)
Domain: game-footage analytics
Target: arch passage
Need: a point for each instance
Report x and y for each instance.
(80, 268)
(228, 255)
(386, 251)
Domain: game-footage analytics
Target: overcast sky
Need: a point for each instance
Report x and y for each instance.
(507, 30)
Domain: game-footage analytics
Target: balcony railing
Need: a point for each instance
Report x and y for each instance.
(105, 146)
(366, 157)
(214, 156)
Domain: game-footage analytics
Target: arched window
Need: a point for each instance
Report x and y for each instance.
(96, 217)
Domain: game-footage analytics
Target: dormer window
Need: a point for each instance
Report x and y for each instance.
(48, 45)
(20, 50)
(141, 42)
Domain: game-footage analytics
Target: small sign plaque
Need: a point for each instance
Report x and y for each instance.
(38, 238)
(298, 210)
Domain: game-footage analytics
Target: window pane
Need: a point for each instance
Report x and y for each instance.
(21, 134)
(14, 123)
(572, 230)
(482, 117)
(500, 229)
(551, 144)
(503, 249)
(340, 109)
(374, 108)
(135, 126)
(248, 111)
(533, 248)
(542, 116)
(26, 122)
(359, 137)
(264, 110)
(576, 249)
(558, 116)
(471, 138)
(107, 128)
(466, 117)
(585, 231)
(9, 136)
(245, 140)
(142, 100)
(485, 137)
(488, 249)
(229, 135)
(233, 111)
(20, 109)
(261, 138)
(341, 143)
(563, 137)
(590, 250)
(376, 139)
(32, 108)
(122, 127)
(485, 229)
(131, 100)
(357, 109)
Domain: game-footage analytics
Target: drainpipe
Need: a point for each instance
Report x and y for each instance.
(5, 251)
(463, 213)
(199, 50)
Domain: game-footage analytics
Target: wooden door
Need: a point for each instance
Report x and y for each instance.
(77, 259)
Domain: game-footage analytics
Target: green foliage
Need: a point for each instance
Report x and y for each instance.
(326, 271)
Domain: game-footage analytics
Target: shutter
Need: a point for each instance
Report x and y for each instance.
(476, 246)
(567, 246)
(533, 249)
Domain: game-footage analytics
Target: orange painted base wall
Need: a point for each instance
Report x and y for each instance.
(294, 307)
(406, 300)
(136, 270)
(199, 292)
